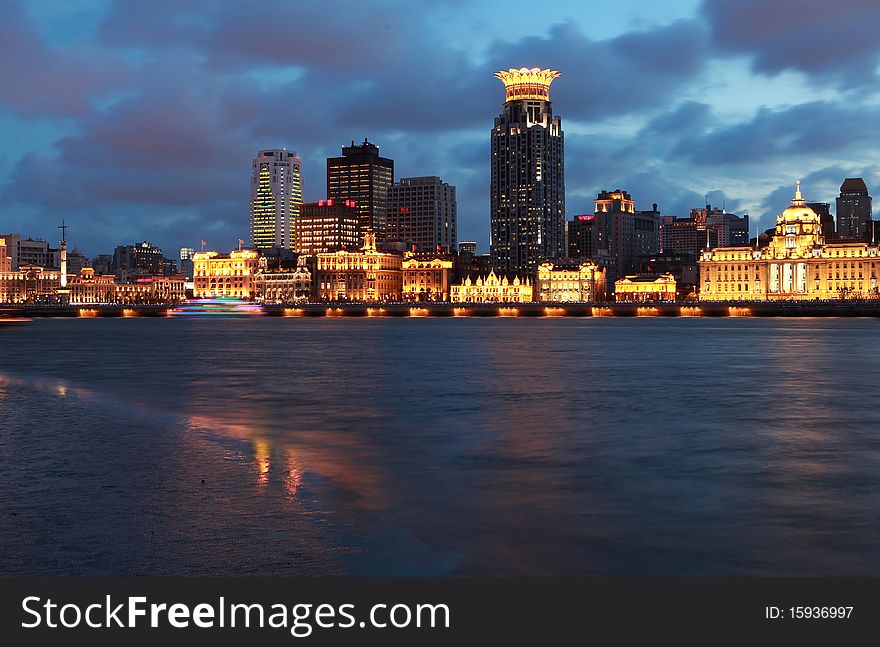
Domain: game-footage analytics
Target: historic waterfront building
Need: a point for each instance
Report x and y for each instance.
(493, 289)
(86, 287)
(362, 275)
(527, 186)
(276, 193)
(282, 284)
(798, 264)
(422, 213)
(361, 175)
(225, 275)
(29, 284)
(426, 279)
(642, 288)
(565, 282)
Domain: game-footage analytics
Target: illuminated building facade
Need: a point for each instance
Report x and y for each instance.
(225, 275)
(527, 187)
(468, 247)
(27, 251)
(854, 210)
(29, 284)
(623, 234)
(364, 177)
(426, 279)
(798, 264)
(276, 195)
(422, 213)
(131, 262)
(492, 289)
(87, 287)
(645, 288)
(566, 282)
(363, 275)
(326, 226)
(282, 285)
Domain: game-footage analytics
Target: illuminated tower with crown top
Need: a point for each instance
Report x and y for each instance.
(528, 174)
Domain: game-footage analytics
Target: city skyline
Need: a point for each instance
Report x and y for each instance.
(105, 138)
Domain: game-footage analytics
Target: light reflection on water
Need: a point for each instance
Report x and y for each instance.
(421, 446)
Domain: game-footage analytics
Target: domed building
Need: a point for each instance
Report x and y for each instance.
(796, 265)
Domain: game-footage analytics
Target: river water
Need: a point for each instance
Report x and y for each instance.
(253, 445)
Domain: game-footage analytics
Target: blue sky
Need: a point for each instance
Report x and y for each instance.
(139, 120)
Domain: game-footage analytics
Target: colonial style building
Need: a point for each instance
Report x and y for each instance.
(426, 279)
(225, 275)
(645, 288)
(29, 284)
(493, 289)
(282, 285)
(797, 264)
(88, 287)
(561, 282)
(363, 275)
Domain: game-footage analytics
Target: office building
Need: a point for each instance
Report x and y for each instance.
(225, 275)
(854, 210)
(362, 176)
(366, 274)
(276, 195)
(327, 226)
(527, 185)
(422, 214)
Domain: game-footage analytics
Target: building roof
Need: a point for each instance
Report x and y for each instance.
(853, 184)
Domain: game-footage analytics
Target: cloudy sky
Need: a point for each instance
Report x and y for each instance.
(139, 120)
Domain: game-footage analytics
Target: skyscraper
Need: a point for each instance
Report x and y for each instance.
(276, 193)
(422, 211)
(527, 187)
(361, 175)
(854, 210)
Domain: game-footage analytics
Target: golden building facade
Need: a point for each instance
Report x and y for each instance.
(364, 275)
(426, 279)
(567, 283)
(225, 275)
(493, 289)
(90, 288)
(797, 265)
(645, 288)
(29, 284)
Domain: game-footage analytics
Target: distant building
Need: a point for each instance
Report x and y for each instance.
(187, 267)
(360, 275)
(730, 229)
(225, 275)
(76, 261)
(27, 251)
(527, 185)
(426, 278)
(5, 259)
(797, 264)
(493, 289)
(683, 267)
(327, 226)
(422, 213)
(570, 282)
(467, 247)
(582, 236)
(854, 210)
(103, 264)
(364, 177)
(826, 220)
(131, 262)
(276, 194)
(623, 234)
(643, 288)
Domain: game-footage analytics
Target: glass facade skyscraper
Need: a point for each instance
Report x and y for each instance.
(527, 187)
(276, 196)
(365, 177)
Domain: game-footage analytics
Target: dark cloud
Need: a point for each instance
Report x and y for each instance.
(834, 41)
(41, 80)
